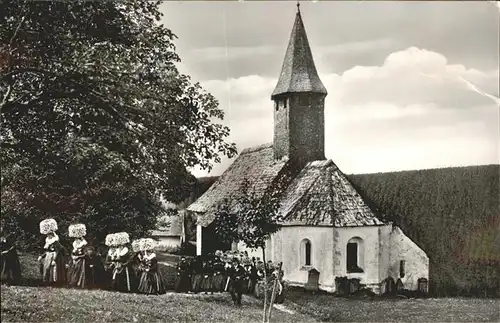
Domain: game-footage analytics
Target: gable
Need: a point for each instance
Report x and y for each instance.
(322, 195)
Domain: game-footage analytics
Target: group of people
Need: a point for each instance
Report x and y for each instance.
(133, 266)
(230, 271)
(124, 269)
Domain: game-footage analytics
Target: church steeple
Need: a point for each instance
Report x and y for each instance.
(299, 97)
(298, 73)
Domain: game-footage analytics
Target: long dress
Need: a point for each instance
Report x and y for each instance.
(52, 262)
(81, 270)
(183, 282)
(219, 279)
(206, 284)
(97, 275)
(197, 275)
(122, 275)
(9, 262)
(151, 281)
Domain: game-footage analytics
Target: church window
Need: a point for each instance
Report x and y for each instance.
(402, 268)
(354, 255)
(276, 105)
(306, 253)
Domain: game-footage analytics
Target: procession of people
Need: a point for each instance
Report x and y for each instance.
(124, 270)
(132, 266)
(232, 271)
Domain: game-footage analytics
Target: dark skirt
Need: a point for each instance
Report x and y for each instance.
(11, 268)
(151, 283)
(77, 273)
(196, 282)
(218, 282)
(122, 279)
(183, 283)
(53, 268)
(206, 284)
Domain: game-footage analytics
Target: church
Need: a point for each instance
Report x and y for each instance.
(327, 226)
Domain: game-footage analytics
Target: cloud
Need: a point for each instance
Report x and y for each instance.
(413, 111)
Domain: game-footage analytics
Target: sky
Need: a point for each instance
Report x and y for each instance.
(402, 77)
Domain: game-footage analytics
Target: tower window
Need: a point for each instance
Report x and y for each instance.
(276, 105)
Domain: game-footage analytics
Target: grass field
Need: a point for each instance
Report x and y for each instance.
(328, 308)
(42, 304)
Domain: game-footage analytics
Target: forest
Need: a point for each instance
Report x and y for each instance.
(451, 213)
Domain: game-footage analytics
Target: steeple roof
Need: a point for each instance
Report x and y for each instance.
(298, 73)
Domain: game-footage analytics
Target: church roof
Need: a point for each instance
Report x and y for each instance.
(322, 195)
(298, 73)
(257, 165)
(319, 195)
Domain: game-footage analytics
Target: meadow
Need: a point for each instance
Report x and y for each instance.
(41, 304)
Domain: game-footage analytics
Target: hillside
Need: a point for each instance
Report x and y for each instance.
(453, 214)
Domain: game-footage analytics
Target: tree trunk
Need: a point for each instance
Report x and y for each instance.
(264, 319)
(273, 297)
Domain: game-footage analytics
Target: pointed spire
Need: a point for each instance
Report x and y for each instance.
(298, 73)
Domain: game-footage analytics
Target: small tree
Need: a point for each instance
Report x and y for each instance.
(251, 218)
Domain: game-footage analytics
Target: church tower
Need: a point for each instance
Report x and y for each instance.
(299, 103)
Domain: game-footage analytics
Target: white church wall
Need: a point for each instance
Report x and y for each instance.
(416, 262)
(384, 251)
(368, 254)
(288, 246)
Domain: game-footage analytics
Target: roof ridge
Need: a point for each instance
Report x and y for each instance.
(256, 148)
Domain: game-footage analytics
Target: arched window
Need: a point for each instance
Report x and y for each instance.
(306, 252)
(355, 255)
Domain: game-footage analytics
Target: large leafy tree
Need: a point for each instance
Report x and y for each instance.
(96, 121)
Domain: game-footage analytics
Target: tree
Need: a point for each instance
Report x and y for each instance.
(96, 121)
(251, 218)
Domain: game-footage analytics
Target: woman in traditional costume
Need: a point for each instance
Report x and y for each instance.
(81, 272)
(52, 262)
(108, 263)
(151, 281)
(9, 262)
(183, 281)
(197, 274)
(122, 276)
(218, 279)
(136, 257)
(208, 272)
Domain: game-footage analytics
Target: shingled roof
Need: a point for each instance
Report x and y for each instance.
(257, 165)
(322, 195)
(319, 195)
(298, 73)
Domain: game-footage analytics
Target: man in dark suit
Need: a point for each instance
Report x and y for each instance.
(238, 275)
